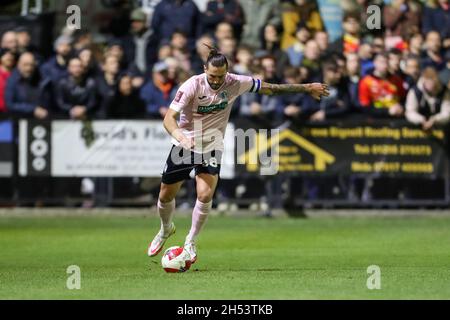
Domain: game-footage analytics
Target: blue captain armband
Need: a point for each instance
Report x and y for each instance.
(256, 86)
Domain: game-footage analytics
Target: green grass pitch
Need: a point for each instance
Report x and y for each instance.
(239, 258)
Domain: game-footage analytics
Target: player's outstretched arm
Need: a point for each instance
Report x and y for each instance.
(316, 90)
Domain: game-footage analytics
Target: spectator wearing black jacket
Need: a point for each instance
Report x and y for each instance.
(90, 64)
(352, 77)
(126, 103)
(171, 15)
(26, 92)
(76, 95)
(433, 56)
(223, 11)
(291, 105)
(141, 46)
(107, 83)
(262, 109)
(271, 42)
(56, 67)
(337, 103)
(411, 70)
(428, 102)
(228, 48)
(24, 44)
(201, 53)
(115, 48)
(438, 19)
(311, 61)
(395, 58)
(180, 50)
(444, 75)
(224, 30)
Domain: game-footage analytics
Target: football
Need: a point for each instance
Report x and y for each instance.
(176, 259)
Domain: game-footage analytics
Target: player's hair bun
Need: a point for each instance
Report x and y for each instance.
(213, 51)
(215, 58)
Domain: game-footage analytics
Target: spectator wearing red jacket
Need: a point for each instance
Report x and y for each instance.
(380, 93)
(7, 63)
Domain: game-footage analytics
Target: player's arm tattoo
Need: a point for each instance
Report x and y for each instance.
(315, 90)
(275, 89)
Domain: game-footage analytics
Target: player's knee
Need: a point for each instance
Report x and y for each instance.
(205, 196)
(165, 199)
(166, 194)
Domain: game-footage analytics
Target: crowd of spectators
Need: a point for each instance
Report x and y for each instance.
(400, 71)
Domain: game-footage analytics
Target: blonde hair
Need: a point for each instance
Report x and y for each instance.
(431, 74)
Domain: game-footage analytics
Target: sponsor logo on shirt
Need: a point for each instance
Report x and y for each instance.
(215, 107)
(212, 108)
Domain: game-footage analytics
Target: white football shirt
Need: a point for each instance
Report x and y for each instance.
(204, 112)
